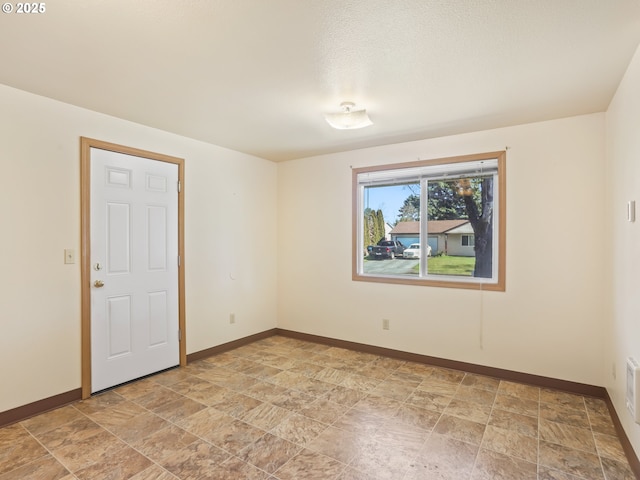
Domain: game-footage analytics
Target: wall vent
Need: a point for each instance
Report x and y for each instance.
(633, 388)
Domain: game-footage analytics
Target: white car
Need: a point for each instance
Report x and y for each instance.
(414, 251)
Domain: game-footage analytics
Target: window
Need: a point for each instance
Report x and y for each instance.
(448, 213)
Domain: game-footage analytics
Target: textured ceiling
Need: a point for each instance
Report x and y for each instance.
(257, 75)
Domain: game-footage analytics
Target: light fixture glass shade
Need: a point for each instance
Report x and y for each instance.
(348, 119)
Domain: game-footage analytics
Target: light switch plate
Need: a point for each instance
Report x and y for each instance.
(69, 255)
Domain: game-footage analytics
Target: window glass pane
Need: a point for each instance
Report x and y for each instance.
(432, 222)
(460, 216)
(455, 209)
(391, 224)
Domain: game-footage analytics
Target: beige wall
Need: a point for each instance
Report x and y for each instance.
(550, 319)
(229, 197)
(623, 245)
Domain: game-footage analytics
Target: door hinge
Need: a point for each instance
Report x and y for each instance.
(179, 260)
(179, 186)
(179, 335)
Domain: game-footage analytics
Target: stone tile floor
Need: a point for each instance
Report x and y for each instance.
(285, 409)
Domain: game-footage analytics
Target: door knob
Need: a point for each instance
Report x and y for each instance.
(98, 284)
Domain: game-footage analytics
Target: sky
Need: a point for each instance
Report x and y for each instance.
(389, 199)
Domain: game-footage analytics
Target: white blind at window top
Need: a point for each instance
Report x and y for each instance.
(436, 172)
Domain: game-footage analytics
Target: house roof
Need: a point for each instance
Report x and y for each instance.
(433, 226)
(257, 76)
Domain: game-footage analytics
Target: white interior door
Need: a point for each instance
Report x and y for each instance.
(134, 267)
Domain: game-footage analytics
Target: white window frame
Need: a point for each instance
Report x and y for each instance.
(423, 171)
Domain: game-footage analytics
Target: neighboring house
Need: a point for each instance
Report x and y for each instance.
(387, 231)
(451, 237)
(408, 233)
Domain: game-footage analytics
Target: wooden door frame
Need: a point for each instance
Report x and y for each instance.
(85, 225)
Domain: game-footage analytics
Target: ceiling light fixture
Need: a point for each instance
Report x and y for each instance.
(348, 118)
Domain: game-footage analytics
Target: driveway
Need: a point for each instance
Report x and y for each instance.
(397, 266)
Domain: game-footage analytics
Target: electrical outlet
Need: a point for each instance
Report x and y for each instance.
(232, 318)
(385, 324)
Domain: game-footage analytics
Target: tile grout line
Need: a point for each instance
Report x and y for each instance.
(539, 430)
(49, 452)
(595, 443)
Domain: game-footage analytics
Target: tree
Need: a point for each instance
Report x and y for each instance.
(381, 230)
(410, 210)
(368, 226)
(477, 195)
(443, 202)
(373, 226)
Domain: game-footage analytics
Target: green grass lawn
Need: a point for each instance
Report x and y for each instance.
(450, 265)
